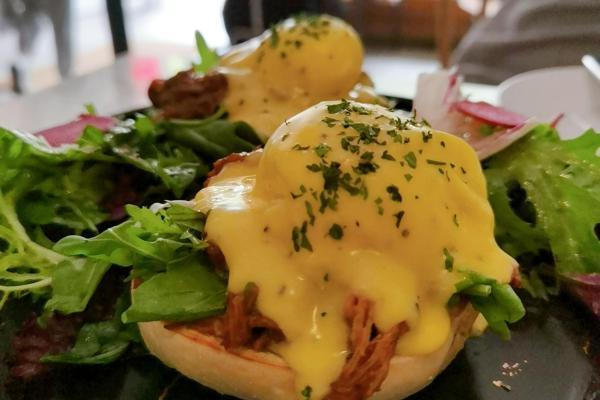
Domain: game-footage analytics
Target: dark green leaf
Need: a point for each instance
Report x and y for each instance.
(188, 290)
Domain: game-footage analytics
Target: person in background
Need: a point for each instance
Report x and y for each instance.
(25, 17)
(245, 19)
(529, 34)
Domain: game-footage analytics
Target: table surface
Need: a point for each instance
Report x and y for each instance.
(123, 85)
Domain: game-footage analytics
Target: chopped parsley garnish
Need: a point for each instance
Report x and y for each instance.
(274, 36)
(313, 167)
(443, 144)
(408, 177)
(322, 149)
(348, 146)
(436, 162)
(336, 232)
(387, 156)
(399, 215)
(411, 159)
(326, 277)
(464, 171)
(427, 136)
(299, 238)
(330, 122)
(378, 202)
(367, 156)
(394, 193)
(448, 260)
(336, 108)
(298, 147)
(365, 167)
(306, 392)
(309, 212)
(455, 219)
(284, 137)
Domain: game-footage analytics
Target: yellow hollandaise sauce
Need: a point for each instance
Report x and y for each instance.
(292, 66)
(349, 199)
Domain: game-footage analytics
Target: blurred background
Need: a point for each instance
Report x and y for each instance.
(44, 42)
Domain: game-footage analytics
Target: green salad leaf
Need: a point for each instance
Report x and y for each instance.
(208, 57)
(100, 342)
(188, 290)
(163, 245)
(497, 302)
(74, 281)
(545, 193)
(49, 192)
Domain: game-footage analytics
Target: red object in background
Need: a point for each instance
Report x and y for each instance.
(70, 132)
(145, 69)
(490, 114)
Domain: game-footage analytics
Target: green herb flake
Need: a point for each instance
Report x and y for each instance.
(399, 215)
(455, 220)
(322, 149)
(274, 36)
(411, 160)
(299, 147)
(408, 177)
(426, 136)
(337, 108)
(378, 202)
(306, 392)
(299, 238)
(435, 162)
(326, 277)
(330, 122)
(336, 232)
(448, 260)
(387, 156)
(309, 212)
(394, 193)
(314, 167)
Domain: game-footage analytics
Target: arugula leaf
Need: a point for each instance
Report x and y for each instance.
(74, 283)
(145, 237)
(208, 57)
(497, 302)
(100, 342)
(215, 139)
(164, 246)
(188, 290)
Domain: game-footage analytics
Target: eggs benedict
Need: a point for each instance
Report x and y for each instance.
(359, 248)
(295, 64)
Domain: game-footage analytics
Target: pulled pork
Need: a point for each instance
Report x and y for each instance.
(371, 351)
(188, 94)
(242, 325)
(222, 162)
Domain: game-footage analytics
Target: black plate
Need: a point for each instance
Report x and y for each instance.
(556, 346)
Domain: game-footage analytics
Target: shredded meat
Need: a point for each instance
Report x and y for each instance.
(222, 162)
(188, 94)
(241, 325)
(216, 257)
(371, 351)
(515, 279)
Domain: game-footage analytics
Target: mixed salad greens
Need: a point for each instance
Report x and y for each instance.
(545, 193)
(71, 213)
